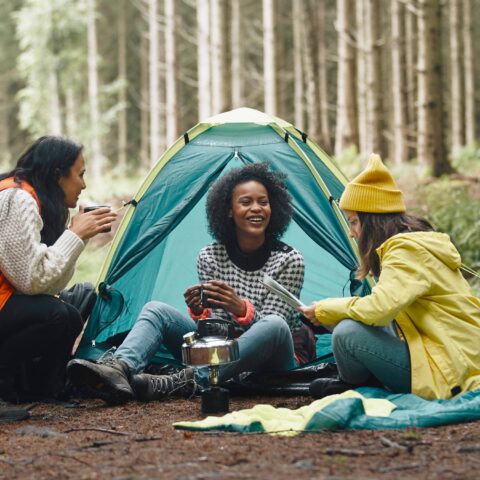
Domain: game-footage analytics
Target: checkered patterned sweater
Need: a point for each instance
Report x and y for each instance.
(284, 264)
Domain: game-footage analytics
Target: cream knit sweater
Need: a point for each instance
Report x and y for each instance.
(29, 265)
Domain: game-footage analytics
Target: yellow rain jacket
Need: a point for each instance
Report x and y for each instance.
(421, 287)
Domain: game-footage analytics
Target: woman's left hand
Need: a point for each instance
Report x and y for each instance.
(221, 295)
(309, 312)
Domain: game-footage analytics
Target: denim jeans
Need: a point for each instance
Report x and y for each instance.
(266, 346)
(362, 351)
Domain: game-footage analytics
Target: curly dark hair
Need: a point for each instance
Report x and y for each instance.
(219, 201)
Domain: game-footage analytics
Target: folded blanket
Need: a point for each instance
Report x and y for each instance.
(364, 408)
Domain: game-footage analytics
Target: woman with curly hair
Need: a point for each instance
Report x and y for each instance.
(248, 210)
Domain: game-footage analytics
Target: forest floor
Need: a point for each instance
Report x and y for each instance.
(138, 441)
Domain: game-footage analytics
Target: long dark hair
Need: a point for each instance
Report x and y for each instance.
(219, 201)
(42, 165)
(378, 227)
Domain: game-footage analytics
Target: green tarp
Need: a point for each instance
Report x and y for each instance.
(366, 409)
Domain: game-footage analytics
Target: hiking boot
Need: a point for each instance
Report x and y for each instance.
(12, 414)
(107, 379)
(158, 387)
(322, 387)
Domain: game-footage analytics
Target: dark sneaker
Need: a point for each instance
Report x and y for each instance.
(158, 387)
(107, 379)
(322, 387)
(9, 413)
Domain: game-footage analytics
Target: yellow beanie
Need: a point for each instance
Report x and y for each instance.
(373, 191)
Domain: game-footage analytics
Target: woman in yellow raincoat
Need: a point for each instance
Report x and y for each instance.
(419, 329)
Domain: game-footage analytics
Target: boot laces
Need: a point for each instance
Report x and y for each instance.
(108, 358)
(169, 384)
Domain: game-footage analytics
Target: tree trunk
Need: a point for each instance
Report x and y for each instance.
(154, 82)
(346, 129)
(122, 93)
(399, 97)
(456, 78)
(298, 26)
(236, 60)
(431, 131)
(203, 60)
(325, 135)
(93, 100)
(55, 113)
(5, 155)
(71, 113)
(469, 72)
(374, 74)
(411, 61)
(171, 117)
(144, 103)
(217, 56)
(362, 26)
(270, 91)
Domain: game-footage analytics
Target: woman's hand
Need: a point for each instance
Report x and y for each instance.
(309, 312)
(87, 225)
(221, 295)
(193, 299)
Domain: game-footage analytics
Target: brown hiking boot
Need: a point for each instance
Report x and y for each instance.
(158, 387)
(108, 378)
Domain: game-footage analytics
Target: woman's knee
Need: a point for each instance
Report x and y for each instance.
(275, 324)
(157, 312)
(346, 329)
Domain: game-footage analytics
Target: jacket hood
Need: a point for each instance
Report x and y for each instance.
(436, 243)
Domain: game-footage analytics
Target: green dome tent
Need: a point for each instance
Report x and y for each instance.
(153, 254)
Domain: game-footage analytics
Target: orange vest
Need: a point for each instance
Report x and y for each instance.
(6, 288)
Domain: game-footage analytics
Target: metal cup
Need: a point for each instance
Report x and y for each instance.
(90, 208)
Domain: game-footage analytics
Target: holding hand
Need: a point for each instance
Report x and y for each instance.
(221, 295)
(193, 299)
(87, 225)
(309, 312)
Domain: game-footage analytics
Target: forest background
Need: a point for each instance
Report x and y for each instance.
(127, 77)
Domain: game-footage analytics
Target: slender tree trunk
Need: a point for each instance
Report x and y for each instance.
(325, 136)
(310, 65)
(298, 26)
(154, 82)
(55, 113)
(217, 56)
(171, 118)
(144, 103)
(399, 98)
(456, 78)
(469, 72)
(71, 113)
(411, 61)
(93, 100)
(374, 77)
(346, 129)
(122, 93)
(5, 155)
(270, 92)
(203, 59)
(431, 131)
(236, 60)
(362, 26)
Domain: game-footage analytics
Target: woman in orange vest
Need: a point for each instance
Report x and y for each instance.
(37, 259)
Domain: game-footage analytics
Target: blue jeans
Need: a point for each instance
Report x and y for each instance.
(266, 346)
(362, 351)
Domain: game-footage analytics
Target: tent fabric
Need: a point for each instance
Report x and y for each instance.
(366, 408)
(153, 254)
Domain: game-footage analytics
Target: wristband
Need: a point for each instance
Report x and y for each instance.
(206, 313)
(247, 319)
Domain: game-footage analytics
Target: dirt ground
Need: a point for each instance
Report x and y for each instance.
(137, 441)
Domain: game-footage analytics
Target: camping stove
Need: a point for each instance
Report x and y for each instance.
(203, 349)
